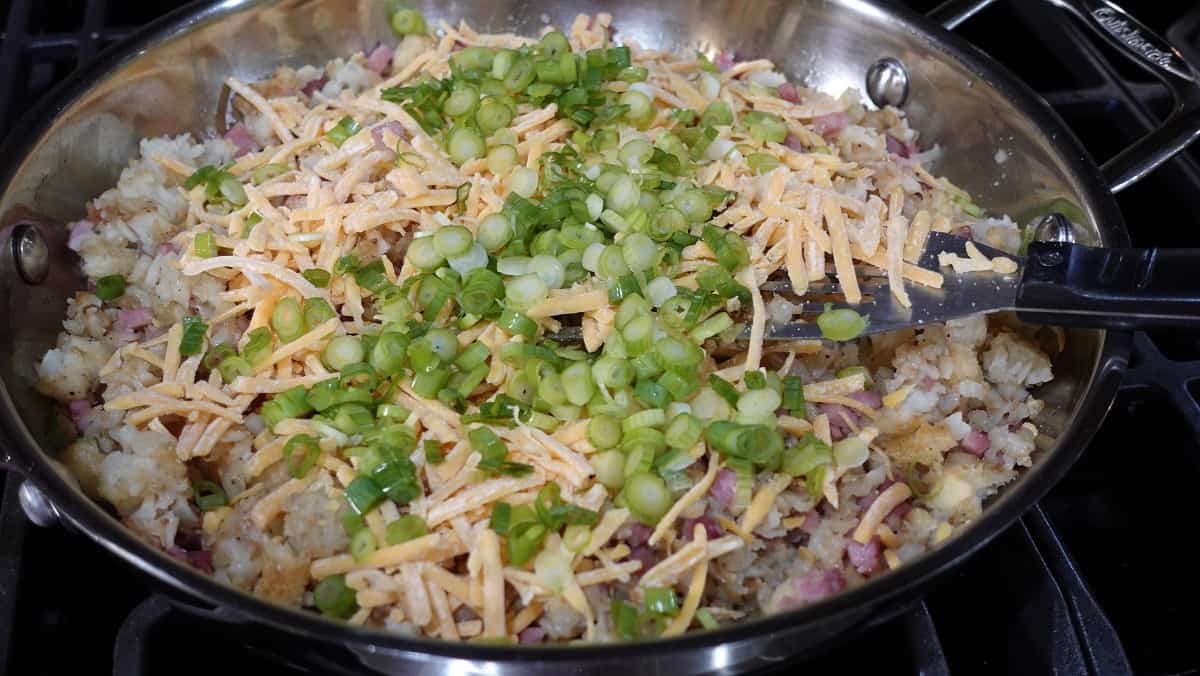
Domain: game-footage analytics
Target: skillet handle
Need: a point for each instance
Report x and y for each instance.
(1146, 49)
(1116, 289)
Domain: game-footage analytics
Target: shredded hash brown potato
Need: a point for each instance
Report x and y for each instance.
(275, 377)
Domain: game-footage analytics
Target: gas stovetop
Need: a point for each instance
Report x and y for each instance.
(1093, 580)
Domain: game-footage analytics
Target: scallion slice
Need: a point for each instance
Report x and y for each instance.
(110, 287)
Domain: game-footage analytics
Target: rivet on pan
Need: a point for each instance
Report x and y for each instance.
(30, 253)
(1050, 259)
(36, 506)
(887, 82)
(1053, 227)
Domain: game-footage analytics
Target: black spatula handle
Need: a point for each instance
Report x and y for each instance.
(1075, 285)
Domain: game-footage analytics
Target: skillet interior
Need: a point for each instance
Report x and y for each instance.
(168, 80)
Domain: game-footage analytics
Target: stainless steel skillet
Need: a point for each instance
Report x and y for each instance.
(167, 80)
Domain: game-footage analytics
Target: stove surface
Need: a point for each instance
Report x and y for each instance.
(1077, 586)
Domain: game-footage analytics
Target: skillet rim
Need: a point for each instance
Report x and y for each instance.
(856, 606)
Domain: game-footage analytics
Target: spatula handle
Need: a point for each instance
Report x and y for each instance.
(1074, 285)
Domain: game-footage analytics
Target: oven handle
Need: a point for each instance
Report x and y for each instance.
(1145, 48)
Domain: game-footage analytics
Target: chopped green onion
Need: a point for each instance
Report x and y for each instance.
(759, 403)
(208, 495)
(343, 130)
(761, 163)
(495, 231)
(362, 544)
(258, 347)
(409, 22)
(524, 540)
(684, 431)
(765, 126)
(465, 144)
(407, 527)
(808, 454)
(651, 417)
(678, 355)
(232, 367)
(501, 159)
(706, 619)
(969, 208)
(398, 479)
(433, 452)
(724, 388)
(604, 431)
(362, 494)
(217, 354)
(624, 619)
(842, 324)
(681, 385)
(492, 115)
(287, 320)
(332, 597)
(204, 245)
(109, 287)
(661, 601)
(850, 452)
(428, 383)
(265, 172)
(317, 277)
(452, 240)
(526, 291)
(316, 311)
(341, 351)
(474, 355)
(610, 468)
(647, 496)
(192, 342)
(300, 454)
(755, 380)
(793, 396)
(288, 404)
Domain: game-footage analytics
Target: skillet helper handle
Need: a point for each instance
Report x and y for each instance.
(1117, 289)
(1142, 46)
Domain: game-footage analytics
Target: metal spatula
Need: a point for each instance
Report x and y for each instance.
(1056, 283)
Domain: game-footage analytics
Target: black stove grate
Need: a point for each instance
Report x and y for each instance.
(1022, 605)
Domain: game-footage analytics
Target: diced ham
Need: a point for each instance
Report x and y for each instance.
(81, 414)
(723, 61)
(841, 420)
(136, 318)
(78, 230)
(532, 634)
(965, 232)
(976, 443)
(377, 133)
(896, 147)
(646, 555)
(868, 397)
(201, 559)
(811, 519)
(639, 533)
(723, 486)
(830, 124)
(787, 92)
(866, 559)
(813, 586)
(240, 137)
(710, 527)
(792, 141)
(165, 248)
(380, 58)
(313, 86)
